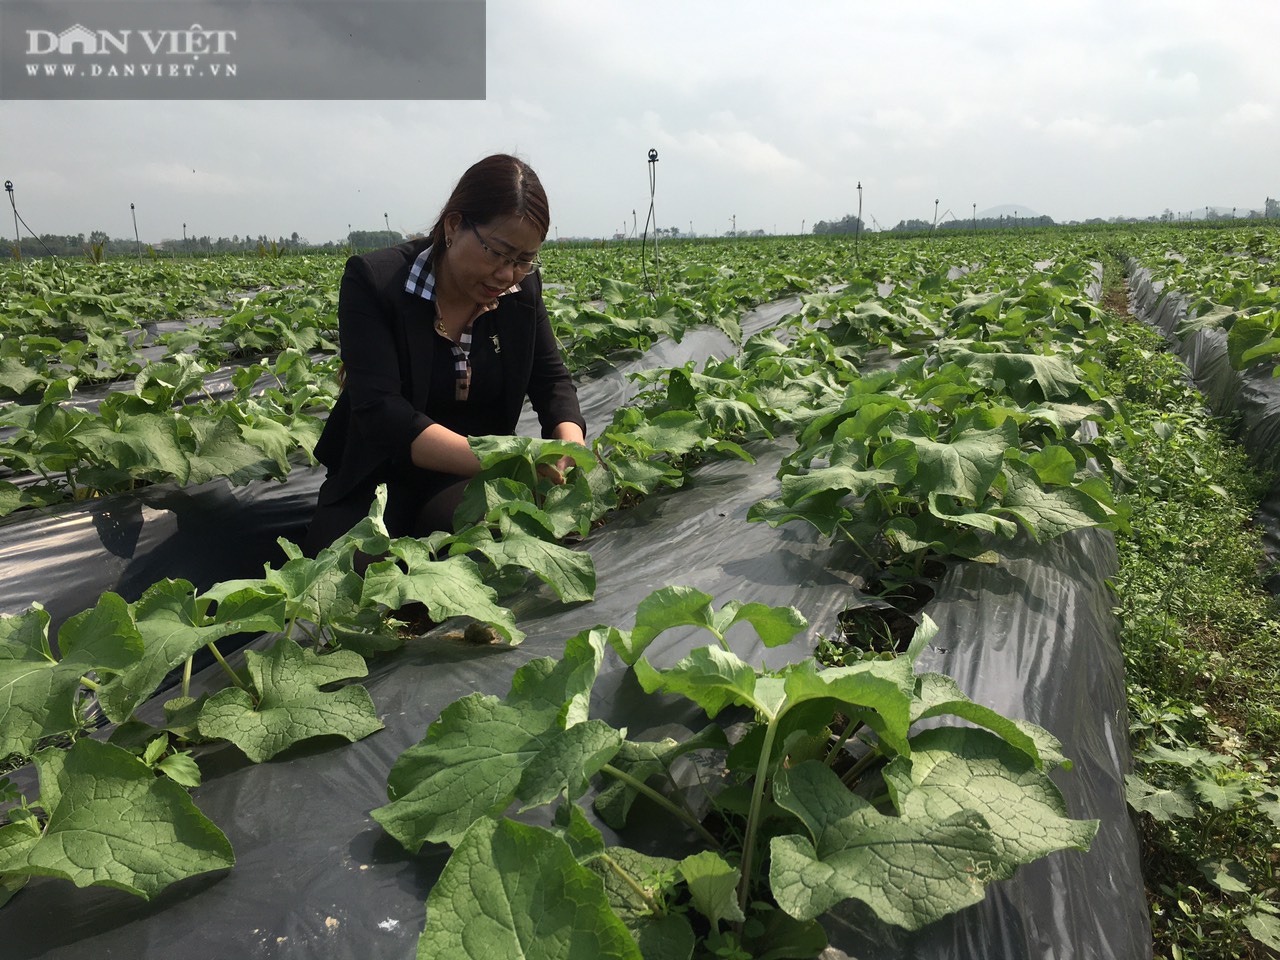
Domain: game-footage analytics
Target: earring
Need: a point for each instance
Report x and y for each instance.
(448, 242)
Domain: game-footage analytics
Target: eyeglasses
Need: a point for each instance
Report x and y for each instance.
(498, 258)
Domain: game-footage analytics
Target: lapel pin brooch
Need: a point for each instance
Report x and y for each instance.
(497, 347)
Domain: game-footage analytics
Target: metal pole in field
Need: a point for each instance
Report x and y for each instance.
(935, 215)
(137, 243)
(17, 237)
(857, 226)
(388, 223)
(975, 219)
(653, 215)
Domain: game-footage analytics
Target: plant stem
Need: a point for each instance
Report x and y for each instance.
(852, 727)
(91, 684)
(217, 655)
(845, 530)
(640, 891)
(753, 817)
(859, 768)
(684, 815)
(186, 677)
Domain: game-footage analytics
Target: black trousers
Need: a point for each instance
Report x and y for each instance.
(419, 502)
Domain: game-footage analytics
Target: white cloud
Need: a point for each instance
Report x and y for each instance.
(1070, 109)
(1249, 114)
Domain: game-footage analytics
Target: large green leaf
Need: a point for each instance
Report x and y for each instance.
(1163, 804)
(221, 451)
(112, 822)
(938, 695)
(145, 443)
(909, 872)
(567, 763)
(713, 886)
(956, 770)
(711, 677)
(823, 511)
(675, 432)
(493, 450)
(511, 890)
(1252, 338)
(172, 629)
(472, 760)
(1055, 377)
(468, 767)
(570, 573)
(37, 693)
(964, 467)
(447, 588)
(881, 687)
(1049, 513)
(290, 706)
(684, 606)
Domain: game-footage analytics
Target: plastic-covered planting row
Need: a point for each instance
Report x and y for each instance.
(65, 557)
(316, 877)
(1249, 399)
(1032, 636)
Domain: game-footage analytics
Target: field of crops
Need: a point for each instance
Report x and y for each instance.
(908, 603)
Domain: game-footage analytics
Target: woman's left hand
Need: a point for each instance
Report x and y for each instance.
(555, 472)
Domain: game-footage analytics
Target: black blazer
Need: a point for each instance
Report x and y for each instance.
(388, 343)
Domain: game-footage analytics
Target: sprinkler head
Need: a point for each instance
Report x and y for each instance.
(653, 155)
(8, 186)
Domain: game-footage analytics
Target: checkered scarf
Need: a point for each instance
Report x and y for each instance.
(422, 283)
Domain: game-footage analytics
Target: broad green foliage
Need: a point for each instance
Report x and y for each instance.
(287, 705)
(1231, 283)
(111, 821)
(38, 692)
(516, 891)
(969, 805)
(484, 752)
(910, 871)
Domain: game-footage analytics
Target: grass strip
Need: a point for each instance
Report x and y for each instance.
(1201, 638)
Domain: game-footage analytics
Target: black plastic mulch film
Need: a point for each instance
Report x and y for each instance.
(1249, 398)
(316, 877)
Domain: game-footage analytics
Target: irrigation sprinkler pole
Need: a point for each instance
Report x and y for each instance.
(935, 215)
(388, 223)
(136, 242)
(975, 219)
(653, 182)
(17, 237)
(857, 226)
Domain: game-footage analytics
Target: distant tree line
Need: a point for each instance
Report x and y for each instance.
(982, 223)
(78, 245)
(846, 224)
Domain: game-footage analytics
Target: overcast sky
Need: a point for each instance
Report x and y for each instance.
(771, 112)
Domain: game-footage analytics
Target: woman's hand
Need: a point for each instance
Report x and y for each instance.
(572, 433)
(555, 472)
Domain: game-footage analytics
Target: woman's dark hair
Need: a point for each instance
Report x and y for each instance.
(496, 187)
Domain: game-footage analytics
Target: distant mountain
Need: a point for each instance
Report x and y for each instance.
(1007, 210)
